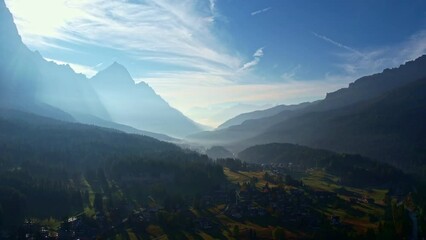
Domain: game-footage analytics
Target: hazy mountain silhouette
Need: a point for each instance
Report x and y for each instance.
(260, 114)
(390, 128)
(138, 105)
(248, 129)
(380, 116)
(29, 136)
(30, 83)
(92, 120)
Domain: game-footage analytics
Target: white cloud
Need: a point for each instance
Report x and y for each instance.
(258, 53)
(260, 11)
(256, 59)
(166, 31)
(250, 64)
(212, 5)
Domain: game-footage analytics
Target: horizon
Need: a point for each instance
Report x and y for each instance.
(213, 60)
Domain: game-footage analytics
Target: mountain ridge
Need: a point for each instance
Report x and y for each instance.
(250, 128)
(31, 83)
(241, 118)
(137, 104)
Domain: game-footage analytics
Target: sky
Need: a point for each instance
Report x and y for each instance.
(214, 59)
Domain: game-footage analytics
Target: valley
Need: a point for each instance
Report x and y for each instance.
(101, 111)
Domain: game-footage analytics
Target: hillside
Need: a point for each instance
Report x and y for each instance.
(50, 168)
(363, 89)
(389, 128)
(283, 153)
(385, 123)
(260, 114)
(351, 169)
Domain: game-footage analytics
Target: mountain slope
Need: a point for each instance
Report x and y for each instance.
(92, 120)
(364, 89)
(48, 166)
(284, 153)
(24, 135)
(260, 114)
(137, 105)
(389, 128)
(351, 169)
(30, 83)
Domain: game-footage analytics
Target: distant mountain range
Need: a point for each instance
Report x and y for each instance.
(260, 114)
(381, 116)
(30, 83)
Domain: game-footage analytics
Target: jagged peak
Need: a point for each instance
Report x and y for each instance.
(116, 68)
(114, 74)
(116, 65)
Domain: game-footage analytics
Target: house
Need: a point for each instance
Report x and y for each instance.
(335, 220)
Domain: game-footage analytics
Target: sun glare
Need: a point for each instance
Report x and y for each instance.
(43, 17)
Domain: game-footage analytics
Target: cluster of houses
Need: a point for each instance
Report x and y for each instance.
(291, 206)
(361, 199)
(32, 230)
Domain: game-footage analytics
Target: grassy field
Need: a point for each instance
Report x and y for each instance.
(360, 214)
(241, 177)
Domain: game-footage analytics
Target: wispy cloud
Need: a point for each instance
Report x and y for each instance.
(256, 59)
(356, 63)
(175, 33)
(212, 5)
(337, 44)
(289, 75)
(258, 53)
(261, 11)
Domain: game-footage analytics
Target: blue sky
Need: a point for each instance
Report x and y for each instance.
(213, 59)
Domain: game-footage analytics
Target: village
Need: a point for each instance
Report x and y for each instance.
(275, 199)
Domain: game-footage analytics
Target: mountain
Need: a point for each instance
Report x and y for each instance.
(319, 125)
(42, 135)
(284, 153)
(238, 133)
(137, 105)
(260, 114)
(30, 83)
(61, 87)
(370, 87)
(18, 77)
(92, 120)
(389, 128)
